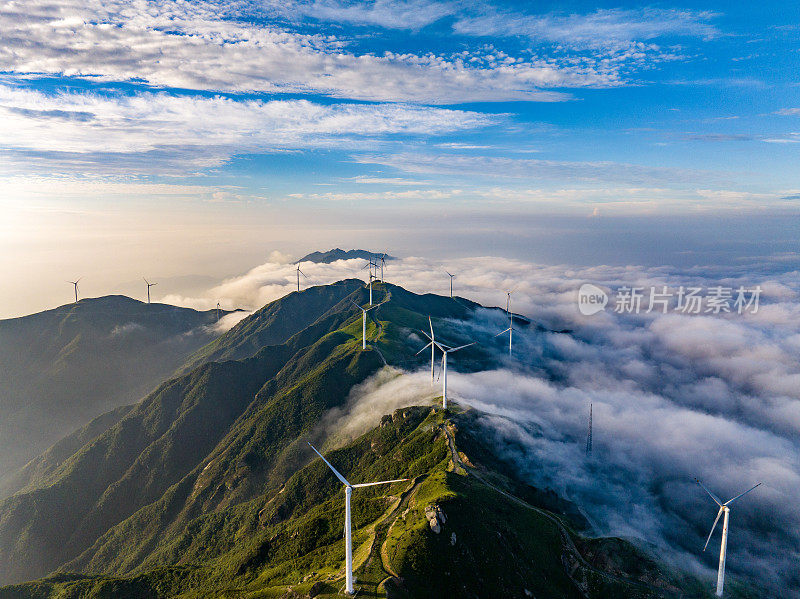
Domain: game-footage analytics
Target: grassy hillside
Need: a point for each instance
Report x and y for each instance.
(63, 367)
(287, 542)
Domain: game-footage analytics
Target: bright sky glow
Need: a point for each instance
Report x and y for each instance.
(240, 112)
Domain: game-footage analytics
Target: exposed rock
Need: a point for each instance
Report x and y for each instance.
(435, 526)
(386, 420)
(436, 517)
(453, 539)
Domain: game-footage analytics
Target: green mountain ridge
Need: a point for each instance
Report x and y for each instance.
(207, 487)
(63, 367)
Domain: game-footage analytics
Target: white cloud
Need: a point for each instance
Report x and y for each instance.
(203, 46)
(600, 28)
(411, 194)
(203, 132)
(492, 166)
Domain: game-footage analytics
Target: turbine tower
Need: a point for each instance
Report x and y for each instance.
(451, 282)
(149, 285)
(723, 509)
(218, 311)
(363, 322)
(589, 436)
(383, 265)
(445, 350)
(348, 535)
(75, 284)
(299, 272)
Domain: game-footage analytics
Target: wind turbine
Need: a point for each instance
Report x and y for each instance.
(149, 285)
(723, 509)
(451, 282)
(218, 311)
(383, 264)
(510, 329)
(75, 283)
(363, 322)
(348, 537)
(370, 265)
(299, 272)
(445, 350)
(432, 345)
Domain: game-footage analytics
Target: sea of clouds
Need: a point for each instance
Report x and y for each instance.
(675, 396)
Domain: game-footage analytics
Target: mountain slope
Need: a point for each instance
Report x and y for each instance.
(63, 367)
(208, 488)
(447, 532)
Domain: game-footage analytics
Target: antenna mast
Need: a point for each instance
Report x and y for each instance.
(589, 436)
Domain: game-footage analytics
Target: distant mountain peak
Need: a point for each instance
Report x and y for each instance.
(340, 254)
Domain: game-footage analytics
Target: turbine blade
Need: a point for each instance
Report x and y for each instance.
(430, 322)
(714, 497)
(501, 332)
(335, 471)
(740, 494)
(383, 482)
(719, 513)
(428, 337)
(423, 349)
(452, 349)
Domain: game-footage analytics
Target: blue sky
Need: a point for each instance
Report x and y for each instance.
(278, 113)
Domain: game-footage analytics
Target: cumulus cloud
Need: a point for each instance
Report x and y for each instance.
(674, 396)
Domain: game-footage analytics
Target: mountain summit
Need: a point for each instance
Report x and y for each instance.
(340, 254)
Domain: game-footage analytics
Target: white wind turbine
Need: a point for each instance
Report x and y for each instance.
(383, 264)
(364, 322)
(445, 350)
(348, 538)
(723, 509)
(371, 264)
(299, 272)
(510, 329)
(432, 345)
